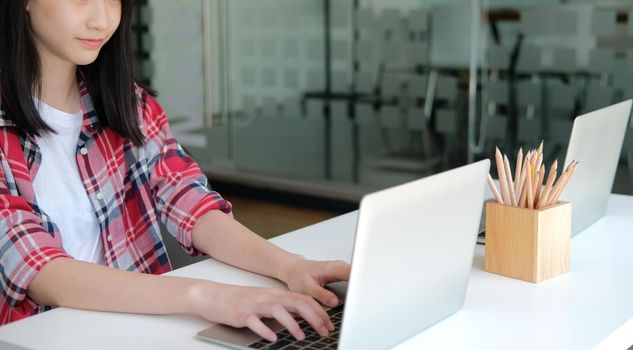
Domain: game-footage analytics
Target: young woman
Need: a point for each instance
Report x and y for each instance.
(88, 168)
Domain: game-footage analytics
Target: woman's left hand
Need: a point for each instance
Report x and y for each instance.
(310, 277)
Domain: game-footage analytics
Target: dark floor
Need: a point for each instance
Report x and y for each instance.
(623, 182)
(269, 218)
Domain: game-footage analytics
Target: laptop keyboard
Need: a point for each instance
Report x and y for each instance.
(312, 340)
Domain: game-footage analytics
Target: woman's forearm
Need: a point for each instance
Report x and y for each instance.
(81, 285)
(225, 239)
(75, 284)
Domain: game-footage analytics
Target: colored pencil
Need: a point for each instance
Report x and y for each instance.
(493, 188)
(574, 166)
(548, 185)
(506, 162)
(517, 172)
(530, 194)
(502, 177)
(539, 185)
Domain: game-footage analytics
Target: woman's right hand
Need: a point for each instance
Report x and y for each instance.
(239, 306)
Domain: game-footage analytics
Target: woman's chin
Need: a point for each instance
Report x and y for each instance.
(85, 59)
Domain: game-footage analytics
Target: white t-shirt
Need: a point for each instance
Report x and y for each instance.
(58, 188)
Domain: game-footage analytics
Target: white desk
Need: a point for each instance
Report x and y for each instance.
(573, 311)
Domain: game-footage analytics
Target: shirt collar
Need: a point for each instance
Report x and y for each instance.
(90, 120)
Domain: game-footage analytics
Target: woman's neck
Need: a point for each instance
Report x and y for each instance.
(59, 84)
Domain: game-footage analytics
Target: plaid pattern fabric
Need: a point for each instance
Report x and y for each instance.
(131, 188)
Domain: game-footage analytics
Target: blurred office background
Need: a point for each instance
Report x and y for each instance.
(313, 103)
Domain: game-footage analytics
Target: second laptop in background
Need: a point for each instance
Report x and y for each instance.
(596, 142)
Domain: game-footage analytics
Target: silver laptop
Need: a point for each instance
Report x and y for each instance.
(412, 257)
(595, 142)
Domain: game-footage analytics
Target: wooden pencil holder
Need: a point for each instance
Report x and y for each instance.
(528, 244)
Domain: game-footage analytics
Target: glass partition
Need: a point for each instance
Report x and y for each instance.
(545, 64)
(351, 92)
(347, 96)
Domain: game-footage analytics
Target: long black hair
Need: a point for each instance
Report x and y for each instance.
(109, 79)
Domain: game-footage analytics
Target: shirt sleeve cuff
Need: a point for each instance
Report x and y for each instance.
(20, 279)
(210, 201)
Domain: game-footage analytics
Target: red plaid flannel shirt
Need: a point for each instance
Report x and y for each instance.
(131, 189)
